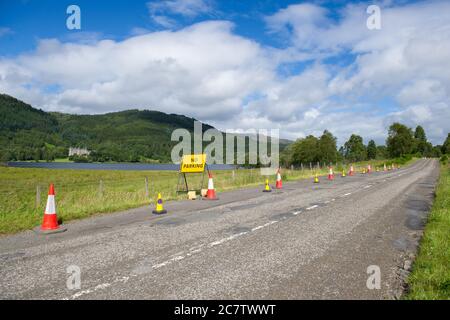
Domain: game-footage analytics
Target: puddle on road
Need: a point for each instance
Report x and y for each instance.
(238, 229)
(281, 216)
(11, 256)
(171, 222)
(404, 244)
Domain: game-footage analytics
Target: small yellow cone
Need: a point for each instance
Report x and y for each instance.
(343, 173)
(267, 187)
(159, 205)
(316, 178)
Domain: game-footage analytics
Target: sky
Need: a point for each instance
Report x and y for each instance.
(297, 66)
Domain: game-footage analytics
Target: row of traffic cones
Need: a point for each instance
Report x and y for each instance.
(50, 221)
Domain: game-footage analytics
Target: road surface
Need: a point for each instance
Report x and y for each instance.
(307, 241)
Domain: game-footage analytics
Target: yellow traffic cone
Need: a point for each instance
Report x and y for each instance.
(159, 205)
(343, 173)
(267, 187)
(316, 178)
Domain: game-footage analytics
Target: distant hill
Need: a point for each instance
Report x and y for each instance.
(27, 133)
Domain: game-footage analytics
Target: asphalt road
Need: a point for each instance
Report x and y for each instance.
(305, 241)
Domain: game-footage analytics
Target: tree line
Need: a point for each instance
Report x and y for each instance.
(401, 141)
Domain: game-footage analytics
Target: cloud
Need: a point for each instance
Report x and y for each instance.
(161, 10)
(203, 71)
(5, 31)
(209, 72)
(405, 60)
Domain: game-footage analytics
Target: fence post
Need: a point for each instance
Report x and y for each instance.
(38, 196)
(100, 188)
(146, 187)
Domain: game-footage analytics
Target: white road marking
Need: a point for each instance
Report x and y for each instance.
(312, 207)
(192, 251)
(257, 228)
(98, 287)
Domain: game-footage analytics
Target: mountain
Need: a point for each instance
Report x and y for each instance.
(27, 133)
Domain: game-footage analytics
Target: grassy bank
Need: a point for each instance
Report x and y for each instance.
(430, 277)
(83, 193)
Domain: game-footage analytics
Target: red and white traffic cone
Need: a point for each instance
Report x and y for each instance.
(211, 193)
(330, 174)
(351, 172)
(279, 183)
(50, 221)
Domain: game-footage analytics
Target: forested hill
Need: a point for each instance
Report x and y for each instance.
(27, 133)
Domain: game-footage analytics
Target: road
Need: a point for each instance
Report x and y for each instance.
(307, 241)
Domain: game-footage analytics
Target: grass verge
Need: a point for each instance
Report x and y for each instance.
(83, 193)
(430, 277)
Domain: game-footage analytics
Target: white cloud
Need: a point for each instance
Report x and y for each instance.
(161, 10)
(203, 71)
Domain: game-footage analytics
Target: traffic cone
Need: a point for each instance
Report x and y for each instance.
(351, 172)
(279, 183)
(330, 174)
(343, 173)
(369, 168)
(159, 205)
(50, 220)
(267, 187)
(211, 193)
(316, 178)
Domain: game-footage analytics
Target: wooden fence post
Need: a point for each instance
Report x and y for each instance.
(100, 188)
(38, 196)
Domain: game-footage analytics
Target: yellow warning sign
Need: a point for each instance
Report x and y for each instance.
(193, 163)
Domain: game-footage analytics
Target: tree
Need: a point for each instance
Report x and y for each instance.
(327, 147)
(446, 145)
(382, 152)
(354, 149)
(436, 151)
(400, 140)
(422, 146)
(305, 150)
(419, 134)
(371, 150)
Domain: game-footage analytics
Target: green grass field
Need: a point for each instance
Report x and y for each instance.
(430, 277)
(83, 193)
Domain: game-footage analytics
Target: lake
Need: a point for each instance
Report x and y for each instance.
(108, 166)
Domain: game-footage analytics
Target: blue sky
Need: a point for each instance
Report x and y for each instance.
(299, 66)
(30, 20)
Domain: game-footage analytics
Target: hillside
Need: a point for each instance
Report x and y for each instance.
(31, 134)
(126, 136)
